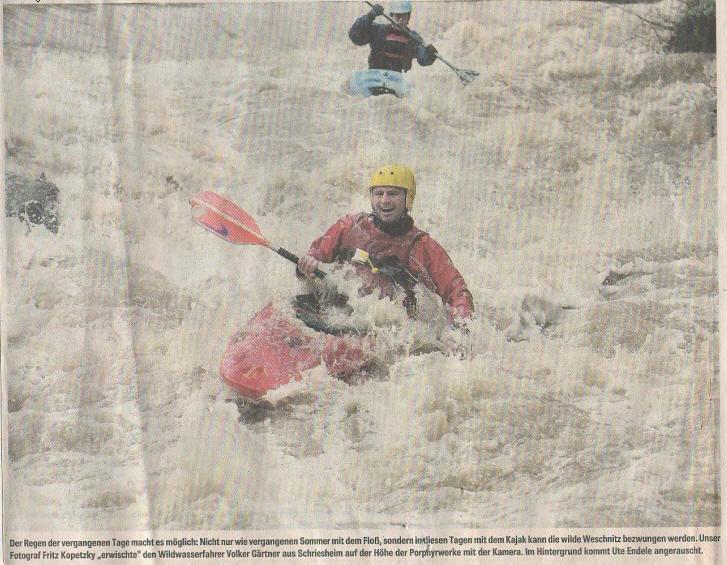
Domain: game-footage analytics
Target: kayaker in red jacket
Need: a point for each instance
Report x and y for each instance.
(399, 253)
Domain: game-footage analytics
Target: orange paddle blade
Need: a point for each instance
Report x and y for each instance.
(225, 219)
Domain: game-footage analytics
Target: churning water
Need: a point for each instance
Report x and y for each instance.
(573, 183)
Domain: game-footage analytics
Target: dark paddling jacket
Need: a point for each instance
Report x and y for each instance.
(391, 49)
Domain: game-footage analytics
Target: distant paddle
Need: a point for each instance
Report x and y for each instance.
(227, 220)
(466, 76)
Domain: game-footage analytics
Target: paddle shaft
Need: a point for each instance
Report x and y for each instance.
(294, 259)
(419, 41)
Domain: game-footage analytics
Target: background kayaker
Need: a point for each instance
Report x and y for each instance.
(391, 48)
(400, 254)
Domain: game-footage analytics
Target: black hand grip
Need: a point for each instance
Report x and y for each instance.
(288, 255)
(294, 259)
(400, 27)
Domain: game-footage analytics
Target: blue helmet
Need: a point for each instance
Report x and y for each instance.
(400, 7)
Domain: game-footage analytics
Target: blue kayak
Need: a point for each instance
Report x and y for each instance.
(376, 81)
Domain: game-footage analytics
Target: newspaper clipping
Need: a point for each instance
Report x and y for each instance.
(342, 282)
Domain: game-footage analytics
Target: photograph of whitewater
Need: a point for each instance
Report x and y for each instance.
(573, 183)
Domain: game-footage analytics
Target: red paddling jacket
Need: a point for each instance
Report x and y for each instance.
(406, 250)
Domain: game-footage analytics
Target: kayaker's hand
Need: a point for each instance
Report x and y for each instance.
(461, 325)
(376, 11)
(307, 264)
(456, 342)
(431, 51)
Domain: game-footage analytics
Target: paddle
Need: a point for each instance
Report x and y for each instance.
(464, 75)
(227, 220)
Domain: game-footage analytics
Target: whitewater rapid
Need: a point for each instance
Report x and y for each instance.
(573, 184)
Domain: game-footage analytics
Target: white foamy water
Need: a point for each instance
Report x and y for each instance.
(573, 183)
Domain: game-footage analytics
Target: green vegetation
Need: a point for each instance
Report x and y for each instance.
(695, 28)
(692, 27)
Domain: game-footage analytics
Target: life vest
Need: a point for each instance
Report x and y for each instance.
(389, 253)
(393, 51)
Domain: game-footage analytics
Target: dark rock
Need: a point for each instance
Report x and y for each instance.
(34, 202)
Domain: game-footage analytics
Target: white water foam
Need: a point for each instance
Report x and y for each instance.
(573, 183)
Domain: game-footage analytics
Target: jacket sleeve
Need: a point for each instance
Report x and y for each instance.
(420, 51)
(362, 30)
(449, 283)
(325, 247)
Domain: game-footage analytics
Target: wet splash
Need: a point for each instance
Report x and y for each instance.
(576, 195)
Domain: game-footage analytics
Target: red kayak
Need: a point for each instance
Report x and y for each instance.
(274, 349)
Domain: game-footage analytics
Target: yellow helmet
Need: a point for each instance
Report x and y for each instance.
(396, 175)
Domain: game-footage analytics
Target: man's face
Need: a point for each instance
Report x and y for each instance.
(401, 19)
(388, 202)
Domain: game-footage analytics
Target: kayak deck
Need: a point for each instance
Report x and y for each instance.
(272, 350)
(374, 82)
